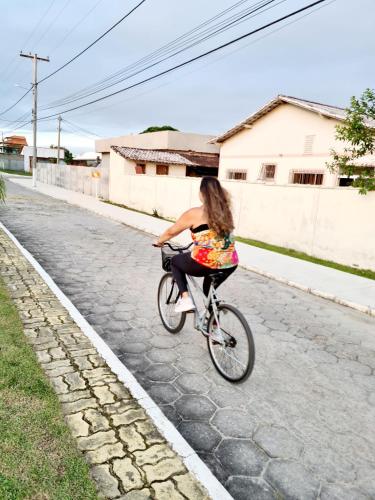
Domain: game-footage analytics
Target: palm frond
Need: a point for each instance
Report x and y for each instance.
(2, 190)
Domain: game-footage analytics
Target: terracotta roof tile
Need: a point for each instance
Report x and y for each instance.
(171, 157)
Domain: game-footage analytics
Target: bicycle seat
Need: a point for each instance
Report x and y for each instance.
(215, 276)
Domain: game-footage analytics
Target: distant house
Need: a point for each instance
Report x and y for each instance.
(89, 159)
(287, 141)
(160, 153)
(13, 144)
(44, 155)
(166, 155)
(167, 162)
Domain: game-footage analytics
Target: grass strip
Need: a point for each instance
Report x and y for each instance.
(154, 214)
(15, 172)
(38, 456)
(364, 273)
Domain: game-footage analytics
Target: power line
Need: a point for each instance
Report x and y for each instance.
(52, 23)
(196, 58)
(94, 42)
(41, 19)
(80, 128)
(131, 98)
(77, 55)
(214, 30)
(15, 104)
(75, 27)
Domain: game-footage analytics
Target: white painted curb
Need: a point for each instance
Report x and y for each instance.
(192, 461)
(324, 295)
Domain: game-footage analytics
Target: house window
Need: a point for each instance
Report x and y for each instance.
(162, 169)
(140, 168)
(307, 177)
(308, 146)
(237, 175)
(267, 172)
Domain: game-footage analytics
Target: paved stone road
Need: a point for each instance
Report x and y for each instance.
(301, 427)
(129, 459)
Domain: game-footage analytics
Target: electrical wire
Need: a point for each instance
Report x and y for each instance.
(74, 27)
(15, 104)
(41, 19)
(94, 42)
(78, 127)
(231, 22)
(79, 54)
(141, 94)
(51, 24)
(196, 58)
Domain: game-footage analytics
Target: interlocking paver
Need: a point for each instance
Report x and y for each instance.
(311, 376)
(105, 453)
(129, 475)
(166, 491)
(78, 426)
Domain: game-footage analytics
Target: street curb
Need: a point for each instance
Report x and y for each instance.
(190, 458)
(324, 295)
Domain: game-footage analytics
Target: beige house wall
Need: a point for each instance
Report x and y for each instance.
(119, 166)
(330, 223)
(160, 140)
(279, 137)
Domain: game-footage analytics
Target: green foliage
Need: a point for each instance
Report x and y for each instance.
(158, 129)
(359, 138)
(2, 190)
(68, 157)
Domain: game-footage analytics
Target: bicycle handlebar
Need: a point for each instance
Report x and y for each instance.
(174, 249)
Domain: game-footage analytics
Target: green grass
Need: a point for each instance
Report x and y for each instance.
(154, 214)
(365, 273)
(16, 172)
(38, 456)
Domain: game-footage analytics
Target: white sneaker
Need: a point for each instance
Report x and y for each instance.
(184, 304)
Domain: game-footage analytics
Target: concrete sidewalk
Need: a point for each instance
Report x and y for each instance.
(343, 288)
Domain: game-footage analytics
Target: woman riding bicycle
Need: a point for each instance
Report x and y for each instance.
(213, 252)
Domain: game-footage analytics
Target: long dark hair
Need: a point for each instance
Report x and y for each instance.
(216, 202)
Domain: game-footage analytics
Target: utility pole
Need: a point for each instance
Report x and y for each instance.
(59, 119)
(35, 59)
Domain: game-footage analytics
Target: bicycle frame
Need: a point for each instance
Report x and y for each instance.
(212, 298)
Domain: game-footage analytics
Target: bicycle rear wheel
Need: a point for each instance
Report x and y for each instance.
(167, 297)
(233, 356)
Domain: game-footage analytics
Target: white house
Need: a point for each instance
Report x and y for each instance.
(287, 141)
(44, 155)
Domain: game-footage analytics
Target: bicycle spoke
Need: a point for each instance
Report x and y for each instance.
(235, 354)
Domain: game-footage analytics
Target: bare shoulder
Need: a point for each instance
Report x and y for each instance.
(192, 213)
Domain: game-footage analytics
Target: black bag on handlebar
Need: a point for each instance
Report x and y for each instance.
(166, 257)
(168, 253)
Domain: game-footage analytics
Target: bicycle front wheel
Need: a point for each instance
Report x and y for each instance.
(167, 297)
(231, 344)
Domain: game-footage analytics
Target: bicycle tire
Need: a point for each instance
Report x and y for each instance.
(181, 321)
(249, 336)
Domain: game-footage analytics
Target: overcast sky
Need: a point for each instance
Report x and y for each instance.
(327, 56)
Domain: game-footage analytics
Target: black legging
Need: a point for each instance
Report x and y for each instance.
(182, 264)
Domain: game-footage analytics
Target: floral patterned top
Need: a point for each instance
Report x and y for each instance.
(212, 250)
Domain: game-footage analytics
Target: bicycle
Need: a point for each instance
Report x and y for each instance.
(231, 348)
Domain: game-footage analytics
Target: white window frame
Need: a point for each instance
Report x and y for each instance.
(262, 175)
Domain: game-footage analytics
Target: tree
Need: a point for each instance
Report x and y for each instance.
(358, 133)
(2, 189)
(68, 157)
(159, 129)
